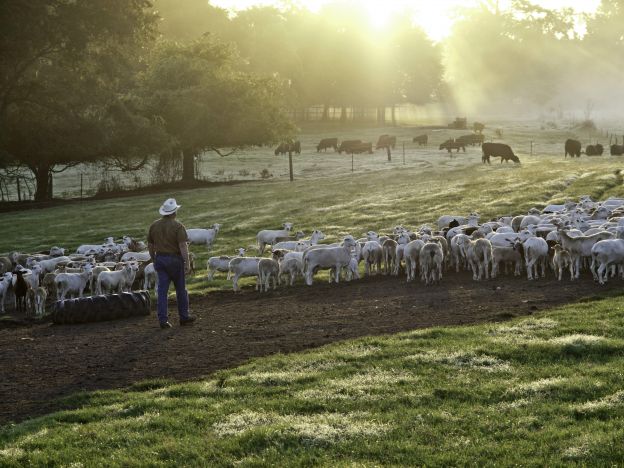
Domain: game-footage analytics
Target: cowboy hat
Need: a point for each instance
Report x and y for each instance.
(169, 207)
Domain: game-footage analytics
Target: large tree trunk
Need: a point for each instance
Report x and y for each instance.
(188, 166)
(343, 114)
(43, 179)
(381, 115)
(393, 115)
(325, 116)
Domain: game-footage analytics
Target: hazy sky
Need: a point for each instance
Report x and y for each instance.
(434, 16)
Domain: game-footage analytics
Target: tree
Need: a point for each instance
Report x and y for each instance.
(65, 67)
(208, 105)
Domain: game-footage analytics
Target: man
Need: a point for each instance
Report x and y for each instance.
(166, 241)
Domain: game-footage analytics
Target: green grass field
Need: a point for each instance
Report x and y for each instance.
(542, 390)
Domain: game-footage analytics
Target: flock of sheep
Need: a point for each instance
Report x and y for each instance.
(563, 238)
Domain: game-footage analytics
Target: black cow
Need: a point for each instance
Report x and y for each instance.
(617, 150)
(421, 140)
(386, 141)
(498, 150)
(327, 143)
(288, 147)
(452, 144)
(573, 148)
(347, 144)
(594, 150)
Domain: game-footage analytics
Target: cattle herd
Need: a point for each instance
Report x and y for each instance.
(564, 240)
(573, 148)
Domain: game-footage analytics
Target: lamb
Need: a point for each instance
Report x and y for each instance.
(561, 260)
(267, 269)
(36, 299)
(606, 253)
(458, 254)
(372, 254)
(267, 236)
(150, 277)
(221, 263)
(243, 266)
(20, 287)
(412, 257)
(72, 283)
(48, 266)
(402, 240)
(580, 246)
(95, 273)
(330, 257)
(135, 256)
(292, 267)
(535, 252)
(5, 283)
(431, 258)
(203, 236)
(479, 256)
(118, 280)
(315, 237)
(389, 248)
(506, 255)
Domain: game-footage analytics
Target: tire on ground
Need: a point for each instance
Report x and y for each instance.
(102, 308)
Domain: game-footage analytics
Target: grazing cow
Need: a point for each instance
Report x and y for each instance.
(472, 139)
(499, 150)
(386, 141)
(347, 145)
(421, 140)
(327, 143)
(288, 147)
(573, 148)
(452, 144)
(364, 147)
(594, 150)
(617, 150)
(478, 127)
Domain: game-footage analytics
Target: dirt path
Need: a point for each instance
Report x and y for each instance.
(41, 363)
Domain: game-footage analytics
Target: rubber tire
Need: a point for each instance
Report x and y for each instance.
(102, 308)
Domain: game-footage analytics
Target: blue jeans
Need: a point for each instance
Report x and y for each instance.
(171, 268)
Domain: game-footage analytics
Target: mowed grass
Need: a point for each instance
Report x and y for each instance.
(542, 390)
(337, 205)
(539, 391)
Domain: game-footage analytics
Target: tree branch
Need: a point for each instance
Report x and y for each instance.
(67, 166)
(216, 150)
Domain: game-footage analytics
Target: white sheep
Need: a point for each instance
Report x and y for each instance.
(118, 280)
(431, 258)
(73, 284)
(412, 258)
(221, 263)
(5, 283)
(243, 267)
(372, 254)
(562, 260)
(535, 250)
(326, 258)
(203, 236)
(267, 236)
(268, 269)
(479, 256)
(606, 253)
(315, 237)
(506, 255)
(292, 267)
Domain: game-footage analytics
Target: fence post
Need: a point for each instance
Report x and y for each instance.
(531, 147)
(290, 166)
(81, 185)
(389, 153)
(351, 161)
(19, 191)
(403, 152)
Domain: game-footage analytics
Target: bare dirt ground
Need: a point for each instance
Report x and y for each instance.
(44, 362)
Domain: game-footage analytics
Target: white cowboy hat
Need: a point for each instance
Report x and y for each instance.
(169, 207)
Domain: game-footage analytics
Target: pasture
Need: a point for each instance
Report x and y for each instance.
(534, 390)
